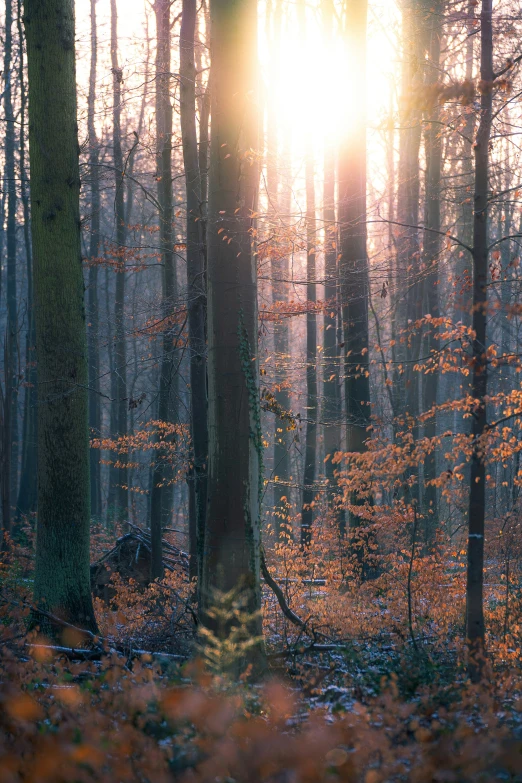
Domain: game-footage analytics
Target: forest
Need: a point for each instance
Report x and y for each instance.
(260, 391)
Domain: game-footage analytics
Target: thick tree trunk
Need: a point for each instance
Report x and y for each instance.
(92, 302)
(10, 185)
(62, 578)
(477, 494)
(433, 148)
(162, 488)
(353, 263)
(119, 472)
(232, 537)
(27, 492)
(195, 278)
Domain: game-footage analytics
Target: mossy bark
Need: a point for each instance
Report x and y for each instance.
(62, 583)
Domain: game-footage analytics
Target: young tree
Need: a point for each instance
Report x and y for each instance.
(62, 578)
(230, 558)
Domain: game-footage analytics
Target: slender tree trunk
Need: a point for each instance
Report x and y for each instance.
(5, 447)
(281, 464)
(433, 149)
(92, 302)
(311, 356)
(119, 472)
(27, 492)
(477, 494)
(62, 578)
(10, 184)
(161, 498)
(331, 391)
(196, 279)
(409, 271)
(353, 263)
(232, 536)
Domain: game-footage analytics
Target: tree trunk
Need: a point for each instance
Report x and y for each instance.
(431, 248)
(92, 302)
(196, 280)
(10, 185)
(161, 498)
(477, 494)
(120, 472)
(62, 578)
(311, 356)
(353, 263)
(278, 273)
(27, 492)
(232, 537)
(409, 273)
(331, 391)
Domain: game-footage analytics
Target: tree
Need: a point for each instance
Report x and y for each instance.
(62, 578)
(230, 557)
(431, 250)
(27, 491)
(353, 261)
(331, 392)
(161, 491)
(479, 385)
(196, 292)
(92, 307)
(10, 179)
(119, 472)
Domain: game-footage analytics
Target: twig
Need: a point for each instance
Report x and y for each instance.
(288, 613)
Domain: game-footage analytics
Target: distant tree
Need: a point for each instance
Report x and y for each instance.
(62, 578)
(197, 299)
(92, 291)
(119, 474)
(161, 490)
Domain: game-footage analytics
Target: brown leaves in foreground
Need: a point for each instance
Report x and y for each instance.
(116, 721)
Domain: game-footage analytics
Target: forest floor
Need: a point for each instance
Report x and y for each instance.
(143, 702)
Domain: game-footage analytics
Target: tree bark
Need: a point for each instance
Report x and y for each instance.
(27, 491)
(92, 302)
(331, 390)
(309, 473)
(232, 536)
(162, 488)
(353, 263)
(477, 494)
(119, 472)
(195, 279)
(278, 273)
(62, 578)
(10, 185)
(431, 250)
